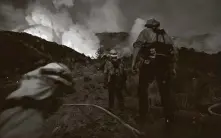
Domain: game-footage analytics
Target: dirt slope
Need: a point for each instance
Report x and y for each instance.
(21, 53)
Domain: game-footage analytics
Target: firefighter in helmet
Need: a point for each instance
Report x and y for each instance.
(25, 111)
(157, 60)
(114, 79)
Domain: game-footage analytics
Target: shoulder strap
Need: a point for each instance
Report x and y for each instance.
(157, 35)
(159, 32)
(163, 38)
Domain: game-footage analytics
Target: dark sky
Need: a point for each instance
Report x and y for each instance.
(177, 16)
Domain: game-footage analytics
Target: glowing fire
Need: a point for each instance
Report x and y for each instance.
(52, 26)
(41, 31)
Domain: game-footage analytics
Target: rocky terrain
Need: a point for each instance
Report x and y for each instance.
(198, 76)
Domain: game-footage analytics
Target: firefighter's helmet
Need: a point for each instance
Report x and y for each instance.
(113, 53)
(152, 22)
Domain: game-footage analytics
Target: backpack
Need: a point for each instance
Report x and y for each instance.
(159, 52)
(118, 77)
(116, 65)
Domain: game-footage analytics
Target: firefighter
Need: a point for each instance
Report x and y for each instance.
(157, 58)
(114, 79)
(25, 110)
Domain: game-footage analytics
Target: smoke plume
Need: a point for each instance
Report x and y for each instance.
(59, 3)
(179, 18)
(183, 20)
(105, 17)
(206, 42)
(56, 26)
(12, 16)
(136, 29)
(56, 23)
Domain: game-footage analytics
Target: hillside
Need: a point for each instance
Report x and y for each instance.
(22, 52)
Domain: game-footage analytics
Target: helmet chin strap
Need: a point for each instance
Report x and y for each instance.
(155, 28)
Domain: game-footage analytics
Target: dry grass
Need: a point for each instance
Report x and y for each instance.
(88, 122)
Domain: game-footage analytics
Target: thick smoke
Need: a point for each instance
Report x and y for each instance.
(12, 16)
(207, 42)
(57, 24)
(187, 20)
(136, 29)
(213, 44)
(125, 49)
(59, 3)
(179, 18)
(58, 27)
(183, 19)
(105, 17)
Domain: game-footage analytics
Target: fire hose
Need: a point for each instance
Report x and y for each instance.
(136, 133)
(210, 109)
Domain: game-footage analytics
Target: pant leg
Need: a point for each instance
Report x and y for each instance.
(111, 93)
(146, 76)
(120, 98)
(167, 100)
(125, 88)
